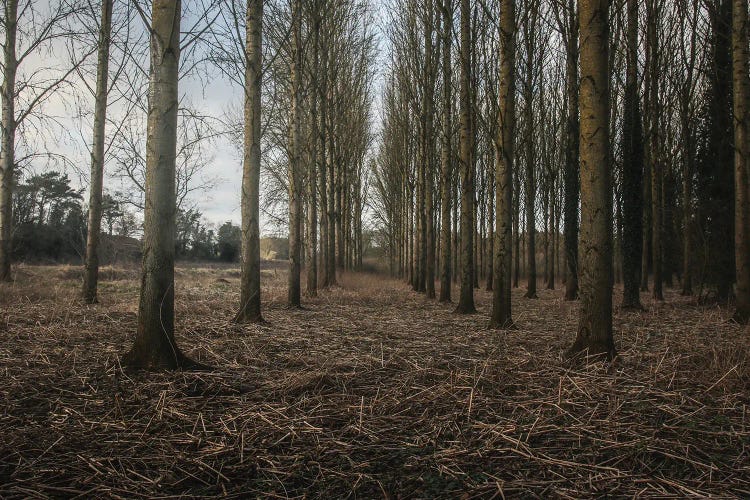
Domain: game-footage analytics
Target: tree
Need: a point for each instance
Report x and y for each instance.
(530, 28)
(501, 309)
(569, 23)
(313, 160)
(91, 267)
(466, 297)
(229, 242)
(25, 38)
(632, 170)
(295, 164)
(715, 169)
(595, 314)
(446, 154)
(427, 149)
(250, 298)
(111, 212)
(741, 97)
(654, 110)
(688, 13)
(154, 347)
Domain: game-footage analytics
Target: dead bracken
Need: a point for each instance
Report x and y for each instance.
(371, 391)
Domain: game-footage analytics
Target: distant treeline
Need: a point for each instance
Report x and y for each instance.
(50, 223)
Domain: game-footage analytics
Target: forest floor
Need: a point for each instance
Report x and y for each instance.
(371, 391)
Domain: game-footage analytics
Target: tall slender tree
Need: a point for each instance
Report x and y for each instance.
(155, 346)
(8, 139)
(741, 95)
(428, 146)
(91, 267)
(250, 300)
(295, 164)
(531, 15)
(632, 169)
(571, 172)
(653, 12)
(501, 316)
(446, 153)
(595, 315)
(466, 296)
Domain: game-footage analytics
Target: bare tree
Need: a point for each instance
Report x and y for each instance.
(501, 316)
(466, 296)
(295, 163)
(91, 268)
(155, 347)
(741, 159)
(595, 315)
(446, 159)
(36, 31)
(250, 298)
(632, 159)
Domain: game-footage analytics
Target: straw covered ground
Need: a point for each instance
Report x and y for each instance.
(372, 391)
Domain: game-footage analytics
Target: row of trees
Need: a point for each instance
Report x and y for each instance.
(563, 105)
(315, 140)
(450, 99)
(314, 62)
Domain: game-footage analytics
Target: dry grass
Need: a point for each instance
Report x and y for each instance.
(373, 391)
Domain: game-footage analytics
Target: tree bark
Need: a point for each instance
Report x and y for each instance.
(249, 310)
(155, 346)
(295, 166)
(466, 296)
(91, 267)
(8, 139)
(312, 181)
(571, 181)
(654, 159)
(632, 174)
(427, 155)
(501, 316)
(595, 315)
(445, 157)
(741, 160)
(530, 182)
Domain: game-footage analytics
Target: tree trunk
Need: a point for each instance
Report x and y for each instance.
(8, 139)
(312, 180)
(330, 165)
(595, 316)
(741, 164)
(632, 171)
(552, 235)
(501, 316)
(427, 156)
(91, 267)
(719, 153)
(530, 182)
(155, 346)
(654, 159)
(338, 209)
(490, 259)
(687, 201)
(295, 166)
(466, 296)
(321, 83)
(646, 225)
(249, 310)
(516, 229)
(571, 180)
(445, 157)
